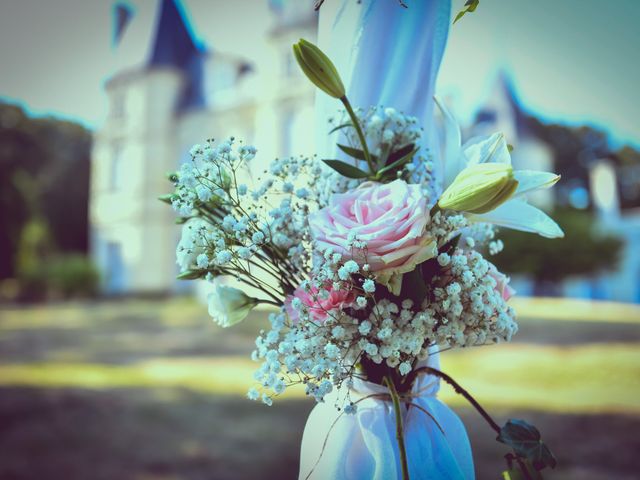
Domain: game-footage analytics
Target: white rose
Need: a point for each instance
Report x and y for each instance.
(228, 305)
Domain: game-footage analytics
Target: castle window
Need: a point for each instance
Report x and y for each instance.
(117, 106)
(291, 68)
(486, 116)
(116, 174)
(287, 131)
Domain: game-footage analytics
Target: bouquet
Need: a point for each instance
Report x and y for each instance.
(374, 264)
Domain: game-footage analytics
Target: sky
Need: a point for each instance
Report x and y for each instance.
(571, 61)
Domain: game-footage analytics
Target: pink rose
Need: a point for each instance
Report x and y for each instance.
(319, 308)
(502, 282)
(391, 220)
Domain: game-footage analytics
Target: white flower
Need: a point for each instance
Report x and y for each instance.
(191, 244)
(369, 286)
(202, 261)
(516, 213)
(253, 394)
(228, 305)
(404, 368)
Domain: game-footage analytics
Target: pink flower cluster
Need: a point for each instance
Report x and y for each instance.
(319, 308)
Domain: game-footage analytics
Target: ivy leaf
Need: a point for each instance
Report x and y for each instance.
(526, 442)
(345, 169)
(470, 7)
(512, 474)
(520, 470)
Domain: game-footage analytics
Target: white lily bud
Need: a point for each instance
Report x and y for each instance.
(479, 188)
(318, 68)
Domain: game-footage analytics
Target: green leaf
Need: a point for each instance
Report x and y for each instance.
(352, 152)
(345, 169)
(470, 6)
(512, 474)
(167, 198)
(340, 127)
(509, 147)
(399, 162)
(431, 267)
(414, 286)
(526, 442)
(399, 153)
(191, 274)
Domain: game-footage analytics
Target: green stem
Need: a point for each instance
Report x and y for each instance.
(356, 125)
(435, 209)
(399, 430)
(460, 391)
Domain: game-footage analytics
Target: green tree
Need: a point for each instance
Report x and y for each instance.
(584, 250)
(44, 175)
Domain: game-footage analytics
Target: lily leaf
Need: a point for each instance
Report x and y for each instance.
(340, 127)
(355, 152)
(400, 153)
(399, 162)
(345, 169)
(526, 442)
(167, 198)
(191, 274)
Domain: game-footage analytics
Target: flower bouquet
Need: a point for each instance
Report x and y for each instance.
(375, 266)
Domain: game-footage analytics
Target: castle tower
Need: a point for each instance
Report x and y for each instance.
(157, 75)
(502, 112)
(289, 98)
(166, 93)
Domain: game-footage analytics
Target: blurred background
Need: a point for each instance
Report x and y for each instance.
(111, 369)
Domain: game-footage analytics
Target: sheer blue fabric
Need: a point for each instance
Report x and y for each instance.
(386, 55)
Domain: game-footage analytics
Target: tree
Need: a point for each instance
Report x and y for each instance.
(583, 251)
(44, 174)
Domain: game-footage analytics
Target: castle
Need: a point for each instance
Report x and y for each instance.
(168, 92)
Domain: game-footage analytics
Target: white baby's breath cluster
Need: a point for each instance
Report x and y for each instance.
(335, 313)
(321, 348)
(386, 129)
(470, 308)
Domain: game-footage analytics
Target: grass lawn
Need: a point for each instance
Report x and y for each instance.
(153, 390)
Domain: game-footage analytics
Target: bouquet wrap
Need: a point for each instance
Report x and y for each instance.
(364, 445)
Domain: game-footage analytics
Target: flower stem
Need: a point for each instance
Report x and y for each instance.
(399, 430)
(461, 391)
(356, 125)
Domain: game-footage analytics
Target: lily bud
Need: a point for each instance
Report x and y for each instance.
(318, 68)
(480, 188)
(228, 305)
